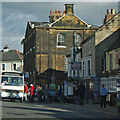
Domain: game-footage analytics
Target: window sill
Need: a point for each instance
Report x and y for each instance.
(61, 46)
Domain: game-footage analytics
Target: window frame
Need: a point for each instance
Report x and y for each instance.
(61, 41)
(4, 67)
(78, 39)
(14, 67)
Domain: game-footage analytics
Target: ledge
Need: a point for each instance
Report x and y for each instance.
(61, 46)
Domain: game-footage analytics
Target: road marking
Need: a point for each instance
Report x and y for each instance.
(56, 109)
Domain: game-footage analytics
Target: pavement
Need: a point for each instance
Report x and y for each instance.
(96, 107)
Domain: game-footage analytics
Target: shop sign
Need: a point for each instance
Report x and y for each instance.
(75, 65)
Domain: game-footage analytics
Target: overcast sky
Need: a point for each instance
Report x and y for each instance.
(15, 16)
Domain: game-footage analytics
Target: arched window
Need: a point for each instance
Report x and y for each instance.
(78, 38)
(60, 40)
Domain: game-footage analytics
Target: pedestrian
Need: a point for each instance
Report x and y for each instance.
(39, 93)
(81, 92)
(60, 94)
(26, 92)
(103, 94)
(35, 94)
(31, 92)
(46, 94)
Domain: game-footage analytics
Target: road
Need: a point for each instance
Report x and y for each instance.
(50, 110)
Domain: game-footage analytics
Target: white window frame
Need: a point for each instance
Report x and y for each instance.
(78, 38)
(61, 39)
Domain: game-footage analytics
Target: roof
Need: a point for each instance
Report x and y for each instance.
(115, 45)
(108, 21)
(98, 28)
(38, 24)
(51, 24)
(11, 55)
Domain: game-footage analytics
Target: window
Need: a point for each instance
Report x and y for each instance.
(83, 69)
(78, 38)
(14, 66)
(102, 64)
(88, 67)
(3, 66)
(60, 40)
(111, 61)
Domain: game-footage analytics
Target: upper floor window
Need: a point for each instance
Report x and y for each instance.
(78, 38)
(3, 66)
(111, 61)
(60, 40)
(14, 66)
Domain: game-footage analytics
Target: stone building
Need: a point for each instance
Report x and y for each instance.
(111, 71)
(94, 47)
(46, 45)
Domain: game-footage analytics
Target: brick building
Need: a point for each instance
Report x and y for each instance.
(46, 45)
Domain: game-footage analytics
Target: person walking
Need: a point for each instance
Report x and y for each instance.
(40, 93)
(103, 94)
(31, 92)
(81, 92)
(60, 94)
(46, 94)
(26, 92)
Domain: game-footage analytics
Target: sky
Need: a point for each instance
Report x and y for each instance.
(15, 15)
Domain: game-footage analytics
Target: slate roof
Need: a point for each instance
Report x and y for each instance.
(115, 45)
(40, 24)
(10, 55)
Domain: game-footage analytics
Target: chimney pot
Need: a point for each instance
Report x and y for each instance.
(113, 11)
(108, 11)
(59, 11)
(64, 12)
(56, 11)
(53, 13)
(50, 12)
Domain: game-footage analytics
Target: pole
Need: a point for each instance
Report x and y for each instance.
(73, 45)
(73, 51)
(12, 61)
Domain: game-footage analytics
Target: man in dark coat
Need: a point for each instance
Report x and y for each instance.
(81, 92)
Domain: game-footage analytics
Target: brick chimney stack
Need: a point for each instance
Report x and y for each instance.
(69, 9)
(55, 15)
(109, 15)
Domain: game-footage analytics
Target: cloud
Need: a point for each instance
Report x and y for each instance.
(12, 40)
(15, 16)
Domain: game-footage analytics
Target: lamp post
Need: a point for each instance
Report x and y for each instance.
(12, 60)
(74, 51)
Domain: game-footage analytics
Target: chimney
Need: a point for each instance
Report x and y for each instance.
(55, 15)
(69, 9)
(6, 48)
(109, 15)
